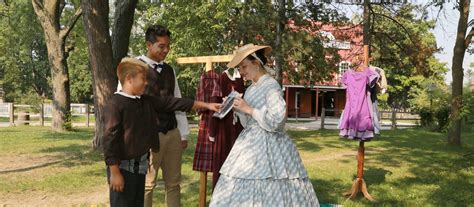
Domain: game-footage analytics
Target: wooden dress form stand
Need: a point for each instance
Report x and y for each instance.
(208, 60)
(359, 183)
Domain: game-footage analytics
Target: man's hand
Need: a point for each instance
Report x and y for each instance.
(184, 144)
(116, 179)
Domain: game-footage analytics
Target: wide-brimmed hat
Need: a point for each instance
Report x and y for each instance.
(244, 51)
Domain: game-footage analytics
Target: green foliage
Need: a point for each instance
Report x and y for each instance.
(432, 101)
(467, 111)
(404, 46)
(78, 63)
(24, 69)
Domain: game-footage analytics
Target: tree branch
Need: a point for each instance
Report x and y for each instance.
(398, 23)
(66, 30)
(42, 14)
(38, 7)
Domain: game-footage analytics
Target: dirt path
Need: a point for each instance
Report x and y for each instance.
(98, 197)
(25, 163)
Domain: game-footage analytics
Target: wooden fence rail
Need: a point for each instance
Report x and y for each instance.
(24, 113)
(394, 116)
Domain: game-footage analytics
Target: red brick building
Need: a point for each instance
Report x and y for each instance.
(304, 100)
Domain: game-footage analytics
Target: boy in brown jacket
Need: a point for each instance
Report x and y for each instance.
(130, 131)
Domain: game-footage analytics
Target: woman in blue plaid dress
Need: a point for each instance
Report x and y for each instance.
(263, 167)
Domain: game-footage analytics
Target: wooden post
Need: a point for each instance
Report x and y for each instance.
(297, 95)
(359, 183)
(287, 98)
(41, 114)
(323, 116)
(87, 115)
(317, 104)
(394, 118)
(202, 189)
(12, 114)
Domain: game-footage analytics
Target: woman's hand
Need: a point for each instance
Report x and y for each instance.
(241, 105)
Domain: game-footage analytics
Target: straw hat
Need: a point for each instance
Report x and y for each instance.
(245, 51)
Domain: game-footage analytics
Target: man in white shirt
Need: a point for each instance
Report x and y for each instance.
(174, 126)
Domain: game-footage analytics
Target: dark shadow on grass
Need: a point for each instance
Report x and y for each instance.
(75, 134)
(31, 167)
(302, 144)
(433, 165)
(75, 154)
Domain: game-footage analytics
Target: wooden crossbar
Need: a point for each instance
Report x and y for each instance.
(205, 59)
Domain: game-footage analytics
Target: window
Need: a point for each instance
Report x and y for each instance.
(343, 67)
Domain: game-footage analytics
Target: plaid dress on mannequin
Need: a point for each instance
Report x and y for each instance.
(207, 91)
(227, 129)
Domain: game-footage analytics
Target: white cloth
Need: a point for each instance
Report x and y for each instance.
(183, 125)
(127, 95)
(264, 167)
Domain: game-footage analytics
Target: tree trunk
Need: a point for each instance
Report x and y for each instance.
(104, 78)
(49, 14)
(121, 28)
(454, 135)
(105, 53)
(278, 41)
(61, 94)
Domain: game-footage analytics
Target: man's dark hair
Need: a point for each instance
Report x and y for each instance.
(155, 31)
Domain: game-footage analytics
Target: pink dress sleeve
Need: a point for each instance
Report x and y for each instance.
(372, 77)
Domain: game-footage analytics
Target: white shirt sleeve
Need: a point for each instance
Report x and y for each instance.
(183, 125)
(272, 116)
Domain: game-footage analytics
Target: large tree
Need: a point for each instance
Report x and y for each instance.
(463, 39)
(49, 13)
(104, 57)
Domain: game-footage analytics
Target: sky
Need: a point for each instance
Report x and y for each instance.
(445, 32)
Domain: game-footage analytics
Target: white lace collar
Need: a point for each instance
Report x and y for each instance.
(127, 95)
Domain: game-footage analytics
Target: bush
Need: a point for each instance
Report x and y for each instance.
(442, 118)
(435, 119)
(426, 117)
(467, 112)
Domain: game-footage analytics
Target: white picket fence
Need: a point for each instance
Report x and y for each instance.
(12, 111)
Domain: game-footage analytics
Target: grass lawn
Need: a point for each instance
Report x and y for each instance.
(409, 167)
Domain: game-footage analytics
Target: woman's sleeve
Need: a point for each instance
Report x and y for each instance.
(271, 117)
